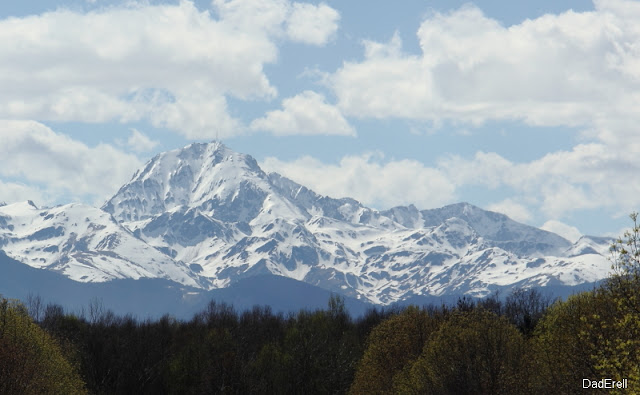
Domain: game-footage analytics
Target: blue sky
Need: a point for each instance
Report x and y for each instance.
(527, 108)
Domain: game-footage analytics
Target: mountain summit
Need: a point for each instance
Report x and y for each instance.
(208, 217)
(209, 177)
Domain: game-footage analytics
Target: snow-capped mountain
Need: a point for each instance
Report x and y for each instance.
(207, 217)
(83, 243)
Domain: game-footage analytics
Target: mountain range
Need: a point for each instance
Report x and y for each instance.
(204, 219)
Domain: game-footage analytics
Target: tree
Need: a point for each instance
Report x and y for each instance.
(595, 334)
(621, 354)
(472, 352)
(31, 361)
(566, 339)
(392, 345)
(322, 349)
(525, 307)
(35, 306)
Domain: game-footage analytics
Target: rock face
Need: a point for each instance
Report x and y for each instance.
(206, 217)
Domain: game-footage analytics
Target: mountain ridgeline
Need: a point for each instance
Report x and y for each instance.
(206, 218)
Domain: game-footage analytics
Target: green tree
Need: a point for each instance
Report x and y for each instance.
(595, 334)
(31, 361)
(392, 345)
(620, 355)
(472, 352)
(566, 339)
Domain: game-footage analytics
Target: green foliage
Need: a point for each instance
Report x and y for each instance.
(31, 362)
(626, 252)
(621, 354)
(393, 344)
(472, 352)
(595, 334)
(565, 340)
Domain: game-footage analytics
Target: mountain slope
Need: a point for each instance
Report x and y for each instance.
(207, 217)
(84, 244)
(216, 210)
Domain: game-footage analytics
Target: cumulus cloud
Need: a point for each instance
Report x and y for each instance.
(512, 209)
(305, 114)
(312, 24)
(139, 142)
(587, 177)
(570, 233)
(566, 69)
(552, 187)
(370, 179)
(11, 192)
(172, 65)
(299, 22)
(57, 166)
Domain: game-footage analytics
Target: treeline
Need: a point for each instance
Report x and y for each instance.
(257, 351)
(218, 351)
(522, 344)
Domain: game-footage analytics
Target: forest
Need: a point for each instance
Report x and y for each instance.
(521, 343)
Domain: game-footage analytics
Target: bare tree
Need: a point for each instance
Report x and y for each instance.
(35, 306)
(96, 310)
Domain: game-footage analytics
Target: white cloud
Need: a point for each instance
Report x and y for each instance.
(139, 142)
(570, 233)
(300, 22)
(11, 192)
(170, 64)
(370, 179)
(305, 114)
(566, 69)
(59, 166)
(512, 209)
(590, 176)
(312, 24)
(617, 233)
(254, 17)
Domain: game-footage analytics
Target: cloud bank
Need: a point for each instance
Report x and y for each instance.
(570, 69)
(305, 114)
(57, 165)
(172, 65)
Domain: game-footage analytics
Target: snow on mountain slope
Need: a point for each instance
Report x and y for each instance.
(345, 209)
(206, 216)
(448, 259)
(498, 228)
(590, 245)
(227, 185)
(83, 243)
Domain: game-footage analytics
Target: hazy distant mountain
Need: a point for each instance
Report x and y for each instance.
(206, 217)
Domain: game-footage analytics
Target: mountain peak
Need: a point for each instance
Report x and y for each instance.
(207, 216)
(215, 151)
(200, 175)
